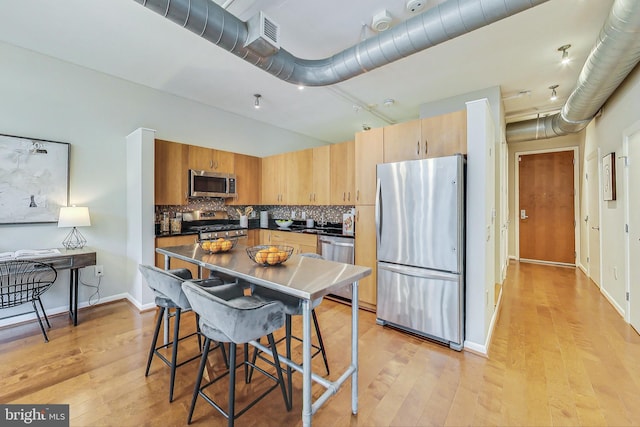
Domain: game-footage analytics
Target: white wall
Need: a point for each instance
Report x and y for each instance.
(50, 99)
(606, 132)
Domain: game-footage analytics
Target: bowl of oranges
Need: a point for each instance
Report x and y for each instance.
(267, 255)
(218, 245)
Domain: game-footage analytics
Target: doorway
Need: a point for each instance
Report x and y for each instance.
(547, 206)
(593, 216)
(632, 166)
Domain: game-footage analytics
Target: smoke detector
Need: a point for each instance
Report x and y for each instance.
(381, 21)
(263, 35)
(415, 6)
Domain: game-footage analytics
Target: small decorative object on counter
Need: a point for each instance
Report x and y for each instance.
(244, 221)
(268, 255)
(176, 226)
(218, 245)
(347, 223)
(164, 223)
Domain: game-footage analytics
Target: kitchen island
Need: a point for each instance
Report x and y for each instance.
(302, 277)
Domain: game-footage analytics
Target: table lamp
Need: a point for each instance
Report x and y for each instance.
(74, 217)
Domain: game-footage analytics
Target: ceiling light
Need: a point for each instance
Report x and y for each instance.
(389, 102)
(565, 53)
(256, 103)
(554, 95)
(415, 6)
(381, 21)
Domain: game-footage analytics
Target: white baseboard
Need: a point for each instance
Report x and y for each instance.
(584, 269)
(476, 348)
(140, 307)
(613, 302)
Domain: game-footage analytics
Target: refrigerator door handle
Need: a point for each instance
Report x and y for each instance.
(378, 213)
(418, 272)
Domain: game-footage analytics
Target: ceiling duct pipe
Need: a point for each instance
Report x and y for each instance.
(436, 25)
(615, 54)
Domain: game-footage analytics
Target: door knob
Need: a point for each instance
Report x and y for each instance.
(523, 214)
(595, 228)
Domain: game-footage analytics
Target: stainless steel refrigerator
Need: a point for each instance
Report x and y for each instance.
(420, 214)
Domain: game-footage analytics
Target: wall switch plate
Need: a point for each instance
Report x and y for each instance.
(99, 270)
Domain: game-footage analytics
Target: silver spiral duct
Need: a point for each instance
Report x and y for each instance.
(444, 22)
(615, 54)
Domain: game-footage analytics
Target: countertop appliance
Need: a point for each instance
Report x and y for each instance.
(211, 184)
(341, 249)
(420, 214)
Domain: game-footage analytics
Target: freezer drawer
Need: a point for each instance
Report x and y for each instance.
(422, 301)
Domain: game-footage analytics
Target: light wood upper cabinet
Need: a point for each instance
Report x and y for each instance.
(369, 151)
(342, 173)
(299, 177)
(365, 254)
(402, 141)
(321, 180)
(248, 176)
(209, 159)
(171, 173)
(430, 137)
(273, 185)
(445, 135)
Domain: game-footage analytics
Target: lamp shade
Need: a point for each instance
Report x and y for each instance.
(74, 217)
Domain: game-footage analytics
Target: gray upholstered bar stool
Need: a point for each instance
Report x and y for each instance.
(227, 315)
(293, 307)
(167, 287)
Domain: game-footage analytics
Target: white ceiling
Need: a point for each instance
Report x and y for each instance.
(124, 39)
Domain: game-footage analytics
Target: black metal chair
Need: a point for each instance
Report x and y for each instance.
(293, 307)
(23, 281)
(167, 286)
(227, 315)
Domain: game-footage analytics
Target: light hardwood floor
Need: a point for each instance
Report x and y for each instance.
(560, 355)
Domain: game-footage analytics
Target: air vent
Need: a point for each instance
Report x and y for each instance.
(263, 35)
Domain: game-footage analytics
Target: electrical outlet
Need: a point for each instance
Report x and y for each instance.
(99, 270)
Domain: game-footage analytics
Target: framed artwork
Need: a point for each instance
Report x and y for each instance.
(609, 177)
(34, 179)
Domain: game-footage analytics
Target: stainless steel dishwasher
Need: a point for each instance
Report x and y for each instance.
(341, 249)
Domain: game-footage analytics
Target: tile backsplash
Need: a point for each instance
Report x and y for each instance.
(317, 213)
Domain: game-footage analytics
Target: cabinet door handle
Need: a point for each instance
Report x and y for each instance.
(210, 164)
(349, 196)
(357, 195)
(426, 146)
(418, 149)
(344, 196)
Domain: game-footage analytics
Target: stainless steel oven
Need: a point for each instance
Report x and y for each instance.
(341, 249)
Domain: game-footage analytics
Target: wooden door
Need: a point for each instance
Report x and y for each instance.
(342, 173)
(546, 211)
(321, 180)
(171, 173)
(248, 174)
(402, 141)
(365, 254)
(445, 135)
(369, 151)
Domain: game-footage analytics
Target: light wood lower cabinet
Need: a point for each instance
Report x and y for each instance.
(301, 243)
(163, 242)
(365, 254)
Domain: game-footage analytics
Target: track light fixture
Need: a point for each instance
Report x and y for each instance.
(256, 103)
(565, 53)
(554, 95)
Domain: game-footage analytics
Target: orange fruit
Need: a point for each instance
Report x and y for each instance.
(206, 245)
(282, 255)
(261, 256)
(215, 246)
(273, 249)
(273, 258)
(226, 245)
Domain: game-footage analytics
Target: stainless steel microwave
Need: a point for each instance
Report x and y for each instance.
(211, 184)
